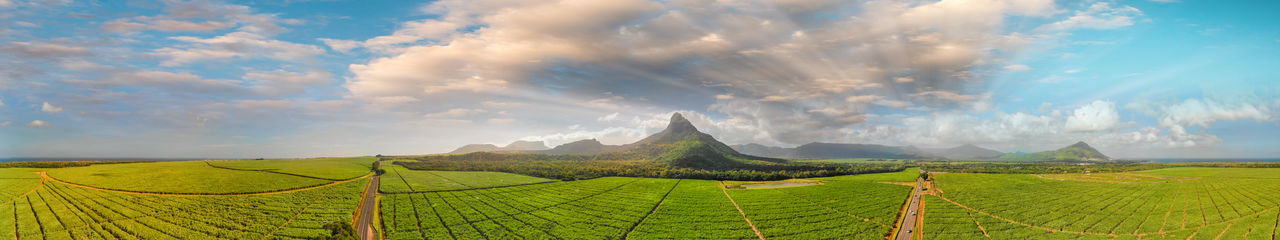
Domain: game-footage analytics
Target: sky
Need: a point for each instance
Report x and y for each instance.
(248, 79)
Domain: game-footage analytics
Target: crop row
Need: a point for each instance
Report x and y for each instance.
(59, 211)
(402, 180)
(1209, 205)
(640, 208)
(842, 210)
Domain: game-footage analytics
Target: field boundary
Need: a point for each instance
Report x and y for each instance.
(269, 171)
(744, 214)
(15, 198)
(467, 189)
(651, 210)
(51, 178)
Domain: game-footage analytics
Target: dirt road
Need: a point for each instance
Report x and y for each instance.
(368, 207)
(909, 220)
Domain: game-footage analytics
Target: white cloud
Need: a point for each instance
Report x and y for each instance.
(1017, 68)
(608, 118)
(455, 113)
(1096, 116)
(6, 123)
(280, 82)
(342, 46)
(44, 50)
(37, 124)
(49, 108)
(236, 44)
(1203, 112)
(164, 25)
(1100, 15)
(1073, 71)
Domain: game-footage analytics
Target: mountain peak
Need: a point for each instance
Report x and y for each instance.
(679, 124)
(1081, 144)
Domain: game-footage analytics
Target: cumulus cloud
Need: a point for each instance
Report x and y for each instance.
(1096, 116)
(1177, 116)
(37, 124)
(49, 108)
(773, 65)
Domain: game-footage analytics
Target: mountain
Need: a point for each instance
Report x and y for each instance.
(513, 147)
(967, 151)
(1078, 152)
(819, 150)
(588, 146)
(680, 144)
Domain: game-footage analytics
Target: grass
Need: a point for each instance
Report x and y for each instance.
(188, 177)
(398, 179)
(325, 168)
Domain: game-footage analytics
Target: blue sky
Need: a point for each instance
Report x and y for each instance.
(237, 79)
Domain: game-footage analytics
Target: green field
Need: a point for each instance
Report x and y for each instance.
(646, 208)
(60, 211)
(195, 177)
(1196, 203)
(323, 168)
(398, 179)
(293, 198)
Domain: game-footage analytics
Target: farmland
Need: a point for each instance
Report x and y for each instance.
(646, 208)
(62, 211)
(401, 180)
(1170, 203)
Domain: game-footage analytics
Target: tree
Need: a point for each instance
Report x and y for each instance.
(339, 230)
(924, 176)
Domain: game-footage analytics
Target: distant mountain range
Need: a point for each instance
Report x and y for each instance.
(1078, 152)
(966, 151)
(680, 144)
(513, 147)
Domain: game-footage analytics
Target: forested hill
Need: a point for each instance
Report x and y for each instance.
(1078, 152)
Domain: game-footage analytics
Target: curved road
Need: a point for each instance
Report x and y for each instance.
(909, 221)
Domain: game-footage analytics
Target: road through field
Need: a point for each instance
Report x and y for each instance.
(364, 226)
(909, 220)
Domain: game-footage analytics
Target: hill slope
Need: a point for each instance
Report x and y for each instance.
(1078, 152)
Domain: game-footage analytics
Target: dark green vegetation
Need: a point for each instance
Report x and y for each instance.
(1078, 152)
(847, 207)
(1192, 203)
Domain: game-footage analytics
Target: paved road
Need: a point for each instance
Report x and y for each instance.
(364, 226)
(909, 221)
